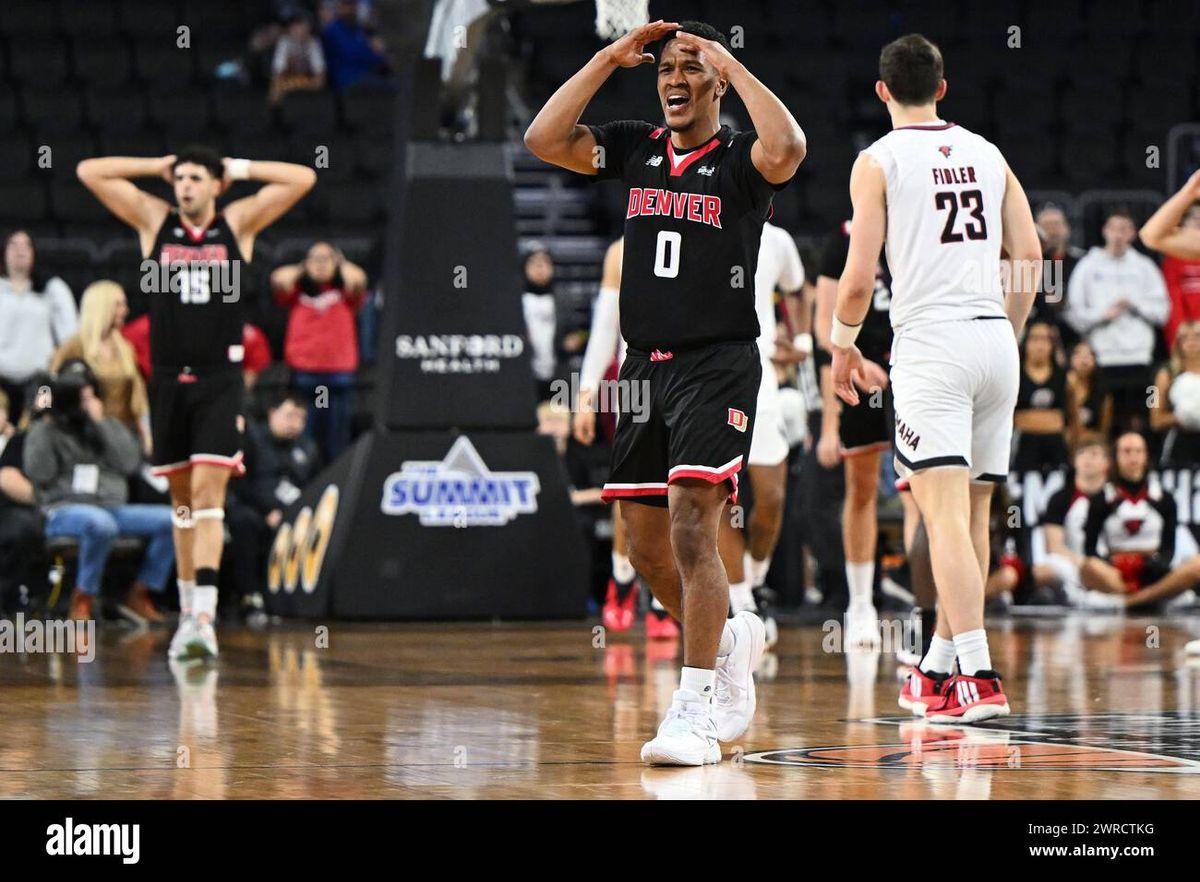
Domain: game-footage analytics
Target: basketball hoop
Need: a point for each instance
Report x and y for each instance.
(616, 18)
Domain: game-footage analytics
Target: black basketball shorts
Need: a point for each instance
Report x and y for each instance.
(196, 420)
(684, 414)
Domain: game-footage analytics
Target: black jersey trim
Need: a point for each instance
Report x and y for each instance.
(932, 463)
(990, 478)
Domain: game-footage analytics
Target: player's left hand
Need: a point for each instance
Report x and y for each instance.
(876, 376)
(846, 372)
(716, 54)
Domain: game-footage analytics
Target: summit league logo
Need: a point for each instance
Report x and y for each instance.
(459, 491)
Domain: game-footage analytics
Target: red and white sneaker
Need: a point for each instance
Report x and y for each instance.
(921, 690)
(619, 613)
(660, 625)
(970, 699)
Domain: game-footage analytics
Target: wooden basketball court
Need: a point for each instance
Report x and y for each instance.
(1104, 708)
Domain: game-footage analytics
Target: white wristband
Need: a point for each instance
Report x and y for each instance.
(803, 343)
(844, 335)
(238, 169)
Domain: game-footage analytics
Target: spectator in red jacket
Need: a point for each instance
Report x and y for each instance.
(1183, 283)
(321, 345)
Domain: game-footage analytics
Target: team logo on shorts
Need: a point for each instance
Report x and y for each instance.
(738, 419)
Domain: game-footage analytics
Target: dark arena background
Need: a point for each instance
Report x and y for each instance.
(418, 592)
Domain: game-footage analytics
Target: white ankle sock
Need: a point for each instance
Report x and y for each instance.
(204, 601)
(740, 596)
(756, 570)
(973, 655)
(186, 588)
(860, 577)
(622, 569)
(726, 645)
(698, 680)
(655, 605)
(940, 658)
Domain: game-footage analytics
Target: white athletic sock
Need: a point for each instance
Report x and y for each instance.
(622, 569)
(973, 655)
(861, 579)
(740, 596)
(756, 570)
(726, 645)
(940, 658)
(186, 588)
(204, 601)
(698, 680)
(655, 605)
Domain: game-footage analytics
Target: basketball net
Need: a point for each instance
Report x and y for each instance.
(616, 18)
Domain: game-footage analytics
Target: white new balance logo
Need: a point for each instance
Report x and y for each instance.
(655, 161)
(967, 692)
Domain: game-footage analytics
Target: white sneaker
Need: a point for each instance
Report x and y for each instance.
(733, 698)
(1192, 647)
(687, 737)
(862, 627)
(194, 639)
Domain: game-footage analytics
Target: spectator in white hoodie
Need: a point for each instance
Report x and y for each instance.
(1116, 298)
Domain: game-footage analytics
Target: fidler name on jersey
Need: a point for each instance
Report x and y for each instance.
(184, 268)
(961, 175)
(648, 201)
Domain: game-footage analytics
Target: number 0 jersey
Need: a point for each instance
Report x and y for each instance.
(945, 188)
(196, 308)
(693, 223)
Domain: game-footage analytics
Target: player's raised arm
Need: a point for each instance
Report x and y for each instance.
(110, 179)
(1019, 240)
(1163, 232)
(286, 183)
(781, 145)
(555, 135)
(868, 189)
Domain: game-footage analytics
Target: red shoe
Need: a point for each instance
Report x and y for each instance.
(970, 699)
(920, 690)
(619, 614)
(660, 626)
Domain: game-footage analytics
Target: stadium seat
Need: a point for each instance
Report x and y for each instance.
(1114, 18)
(16, 157)
(162, 67)
(23, 19)
(38, 61)
(369, 111)
(312, 113)
(183, 115)
(150, 20)
(140, 142)
(375, 157)
(52, 111)
(23, 201)
(341, 158)
(104, 64)
(357, 203)
(70, 202)
(1089, 161)
(242, 112)
(9, 114)
(93, 21)
(116, 111)
(1057, 21)
(1163, 63)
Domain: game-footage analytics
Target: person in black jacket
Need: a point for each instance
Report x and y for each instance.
(1135, 519)
(279, 461)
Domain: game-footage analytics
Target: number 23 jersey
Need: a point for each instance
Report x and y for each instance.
(693, 223)
(945, 189)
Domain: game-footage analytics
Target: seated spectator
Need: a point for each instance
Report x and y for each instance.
(1091, 402)
(1129, 534)
(110, 356)
(1115, 300)
(1062, 525)
(352, 55)
(299, 62)
(279, 461)
(78, 461)
(541, 318)
(321, 346)
(21, 529)
(1183, 281)
(1059, 257)
(1176, 406)
(37, 313)
(1043, 406)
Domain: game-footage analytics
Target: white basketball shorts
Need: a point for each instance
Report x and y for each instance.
(768, 445)
(954, 385)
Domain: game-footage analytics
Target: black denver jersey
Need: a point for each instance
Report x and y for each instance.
(875, 338)
(196, 317)
(1131, 517)
(693, 224)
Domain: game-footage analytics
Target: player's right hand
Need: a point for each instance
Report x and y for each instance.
(584, 427)
(847, 371)
(167, 170)
(629, 50)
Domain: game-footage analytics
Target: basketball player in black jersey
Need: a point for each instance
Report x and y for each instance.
(196, 319)
(698, 196)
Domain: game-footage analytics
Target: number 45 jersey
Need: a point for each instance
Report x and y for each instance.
(945, 188)
(196, 305)
(693, 222)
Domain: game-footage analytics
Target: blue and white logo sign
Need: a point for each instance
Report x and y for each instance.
(459, 491)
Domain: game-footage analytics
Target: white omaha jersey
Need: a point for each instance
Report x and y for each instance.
(779, 267)
(945, 188)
